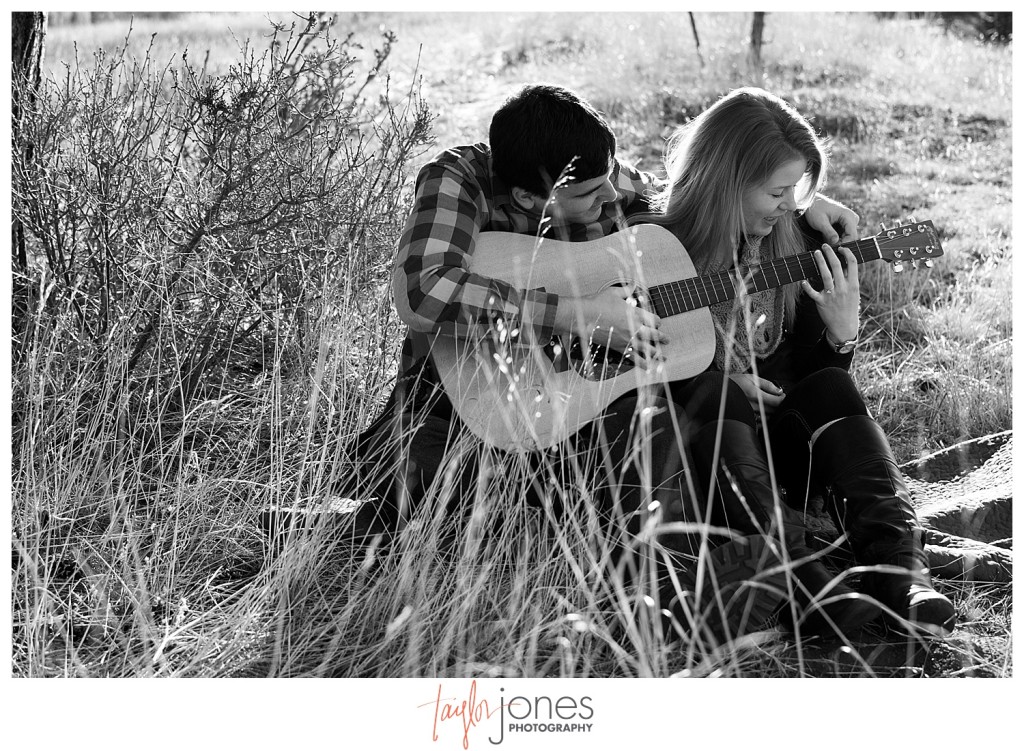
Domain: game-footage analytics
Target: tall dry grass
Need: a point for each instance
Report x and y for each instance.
(198, 243)
(140, 471)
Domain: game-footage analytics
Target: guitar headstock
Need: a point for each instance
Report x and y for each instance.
(916, 242)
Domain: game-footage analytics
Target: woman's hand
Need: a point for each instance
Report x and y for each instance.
(760, 391)
(839, 299)
(825, 212)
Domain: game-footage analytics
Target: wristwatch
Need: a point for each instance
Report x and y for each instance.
(841, 348)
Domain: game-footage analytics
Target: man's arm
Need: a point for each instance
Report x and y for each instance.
(824, 213)
(434, 289)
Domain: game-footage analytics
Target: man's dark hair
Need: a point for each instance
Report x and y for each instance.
(543, 128)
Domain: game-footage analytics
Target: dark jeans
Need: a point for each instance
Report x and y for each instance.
(820, 398)
(401, 453)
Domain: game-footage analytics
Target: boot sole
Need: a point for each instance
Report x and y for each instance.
(939, 632)
(852, 616)
(911, 627)
(933, 615)
(737, 597)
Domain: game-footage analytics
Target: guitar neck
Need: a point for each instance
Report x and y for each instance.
(678, 297)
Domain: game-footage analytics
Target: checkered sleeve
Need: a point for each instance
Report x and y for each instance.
(635, 187)
(434, 289)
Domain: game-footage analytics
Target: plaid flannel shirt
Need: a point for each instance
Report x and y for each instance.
(457, 197)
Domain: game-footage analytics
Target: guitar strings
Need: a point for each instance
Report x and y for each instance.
(673, 298)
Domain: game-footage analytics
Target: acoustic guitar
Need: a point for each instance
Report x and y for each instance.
(517, 395)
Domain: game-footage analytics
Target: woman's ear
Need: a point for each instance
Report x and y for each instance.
(527, 200)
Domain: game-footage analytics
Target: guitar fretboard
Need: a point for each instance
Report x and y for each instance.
(674, 298)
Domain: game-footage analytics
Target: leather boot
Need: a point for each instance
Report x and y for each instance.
(735, 591)
(714, 591)
(870, 501)
(829, 605)
(745, 501)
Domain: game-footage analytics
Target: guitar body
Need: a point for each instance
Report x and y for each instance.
(516, 395)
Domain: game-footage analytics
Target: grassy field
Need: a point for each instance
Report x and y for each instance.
(151, 560)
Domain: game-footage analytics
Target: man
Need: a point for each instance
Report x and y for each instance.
(550, 169)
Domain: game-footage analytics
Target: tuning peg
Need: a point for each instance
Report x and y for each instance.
(881, 227)
(911, 220)
(929, 263)
(898, 266)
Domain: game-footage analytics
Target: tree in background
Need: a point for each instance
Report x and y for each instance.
(28, 36)
(756, 39)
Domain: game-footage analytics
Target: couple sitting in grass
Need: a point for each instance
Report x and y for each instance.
(730, 451)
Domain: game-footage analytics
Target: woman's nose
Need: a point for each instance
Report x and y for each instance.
(789, 201)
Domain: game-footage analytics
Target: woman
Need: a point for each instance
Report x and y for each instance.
(738, 175)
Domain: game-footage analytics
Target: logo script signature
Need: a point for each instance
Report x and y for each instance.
(470, 711)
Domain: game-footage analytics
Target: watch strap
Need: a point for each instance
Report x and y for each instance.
(842, 347)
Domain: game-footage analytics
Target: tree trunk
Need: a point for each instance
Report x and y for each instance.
(28, 35)
(696, 39)
(756, 38)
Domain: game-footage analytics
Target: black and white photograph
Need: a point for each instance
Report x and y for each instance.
(487, 360)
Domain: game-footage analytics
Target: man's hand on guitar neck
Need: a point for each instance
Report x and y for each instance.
(825, 215)
(612, 318)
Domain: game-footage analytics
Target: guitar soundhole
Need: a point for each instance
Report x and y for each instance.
(501, 354)
(594, 362)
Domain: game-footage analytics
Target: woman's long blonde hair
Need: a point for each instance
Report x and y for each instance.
(734, 145)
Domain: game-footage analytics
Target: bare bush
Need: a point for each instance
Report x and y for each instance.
(198, 217)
